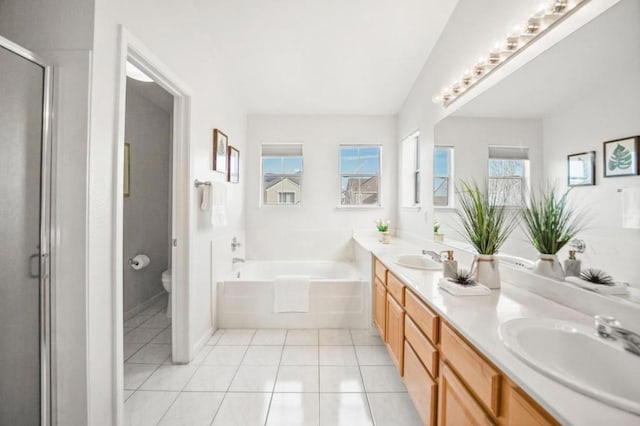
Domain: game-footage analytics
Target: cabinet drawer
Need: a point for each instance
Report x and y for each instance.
(481, 377)
(457, 406)
(380, 271)
(395, 287)
(422, 316)
(421, 387)
(427, 353)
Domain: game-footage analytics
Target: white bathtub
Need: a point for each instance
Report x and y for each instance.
(339, 297)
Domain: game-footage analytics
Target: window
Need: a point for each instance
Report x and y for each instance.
(360, 175)
(508, 172)
(443, 176)
(281, 174)
(410, 173)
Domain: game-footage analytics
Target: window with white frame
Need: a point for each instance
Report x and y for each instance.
(443, 176)
(359, 175)
(508, 174)
(282, 174)
(410, 171)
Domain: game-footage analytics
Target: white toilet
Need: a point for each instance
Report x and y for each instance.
(166, 283)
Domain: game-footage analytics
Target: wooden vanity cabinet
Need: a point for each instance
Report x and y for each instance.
(395, 332)
(457, 406)
(380, 307)
(523, 411)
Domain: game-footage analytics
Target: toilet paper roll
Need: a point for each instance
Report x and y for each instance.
(139, 261)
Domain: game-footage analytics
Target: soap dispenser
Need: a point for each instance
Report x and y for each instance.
(450, 265)
(572, 265)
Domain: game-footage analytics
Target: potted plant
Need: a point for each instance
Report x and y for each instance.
(550, 224)
(486, 226)
(437, 236)
(383, 229)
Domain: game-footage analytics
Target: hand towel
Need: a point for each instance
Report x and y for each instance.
(205, 204)
(219, 206)
(631, 208)
(460, 290)
(291, 293)
(617, 288)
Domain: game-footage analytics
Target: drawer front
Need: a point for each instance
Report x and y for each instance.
(427, 353)
(395, 287)
(481, 377)
(422, 316)
(421, 387)
(457, 406)
(380, 271)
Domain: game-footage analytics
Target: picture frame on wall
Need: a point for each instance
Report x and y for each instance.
(621, 157)
(581, 169)
(233, 167)
(220, 144)
(126, 190)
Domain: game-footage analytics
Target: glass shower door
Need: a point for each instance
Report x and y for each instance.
(23, 241)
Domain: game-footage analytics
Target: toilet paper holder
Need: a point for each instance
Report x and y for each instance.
(133, 262)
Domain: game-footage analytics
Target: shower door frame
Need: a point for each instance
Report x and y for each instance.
(46, 183)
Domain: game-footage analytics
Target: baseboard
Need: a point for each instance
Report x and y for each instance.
(202, 341)
(142, 306)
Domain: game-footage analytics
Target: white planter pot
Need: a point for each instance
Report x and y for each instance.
(385, 237)
(486, 270)
(549, 266)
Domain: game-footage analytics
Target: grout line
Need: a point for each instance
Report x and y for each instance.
(364, 388)
(266, 419)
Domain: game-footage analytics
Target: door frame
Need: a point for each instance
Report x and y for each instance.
(132, 49)
(45, 280)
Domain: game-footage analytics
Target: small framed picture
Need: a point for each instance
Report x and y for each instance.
(127, 170)
(233, 174)
(621, 157)
(220, 144)
(581, 169)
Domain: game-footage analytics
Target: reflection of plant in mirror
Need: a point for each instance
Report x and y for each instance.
(464, 278)
(436, 226)
(549, 222)
(597, 276)
(486, 225)
(382, 225)
(620, 158)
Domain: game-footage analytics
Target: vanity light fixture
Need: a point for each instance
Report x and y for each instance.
(550, 13)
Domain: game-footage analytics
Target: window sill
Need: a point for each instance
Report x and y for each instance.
(411, 209)
(444, 208)
(359, 207)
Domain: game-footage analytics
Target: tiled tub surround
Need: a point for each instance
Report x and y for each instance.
(478, 318)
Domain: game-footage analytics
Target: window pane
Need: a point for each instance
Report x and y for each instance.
(291, 165)
(440, 191)
(282, 189)
(369, 158)
(360, 160)
(506, 168)
(359, 190)
(441, 162)
(272, 165)
(505, 192)
(348, 160)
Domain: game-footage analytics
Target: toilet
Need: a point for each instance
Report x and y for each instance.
(166, 283)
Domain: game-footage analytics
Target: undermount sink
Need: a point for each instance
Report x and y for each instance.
(417, 261)
(574, 355)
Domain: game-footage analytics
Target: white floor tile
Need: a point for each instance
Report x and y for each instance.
(136, 374)
(243, 409)
(159, 320)
(294, 409)
(151, 354)
(225, 355)
(337, 355)
(373, 355)
(340, 379)
(216, 336)
(211, 378)
(131, 348)
(329, 336)
(193, 409)
(297, 379)
(147, 407)
(366, 337)
(302, 337)
(201, 355)
(163, 337)
(254, 378)
(300, 355)
(169, 378)
(127, 394)
(344, 409)
(135, 321)
(382, 379)
(273, 337)
(141, 335)
(236, 337)
(393, 409)
(262, 355)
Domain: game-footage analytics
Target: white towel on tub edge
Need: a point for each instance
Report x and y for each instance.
(291, 293)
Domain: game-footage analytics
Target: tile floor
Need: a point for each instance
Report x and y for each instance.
(262, 377)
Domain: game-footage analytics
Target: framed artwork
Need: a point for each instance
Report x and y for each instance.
(127, 170)
(621, 157)
(581, 169)
(220, 144)
(233, 174)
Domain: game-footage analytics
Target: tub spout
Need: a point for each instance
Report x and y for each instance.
(236, 260)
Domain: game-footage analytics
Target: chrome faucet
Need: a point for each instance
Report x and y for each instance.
(610, 328)
(435, 256)
(236, 260)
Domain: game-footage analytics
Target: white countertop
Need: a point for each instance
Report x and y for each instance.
(478, 319)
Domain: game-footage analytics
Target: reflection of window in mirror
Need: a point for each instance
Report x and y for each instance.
(282, 174)
(443, 176)
(508, 174)
(410, 171)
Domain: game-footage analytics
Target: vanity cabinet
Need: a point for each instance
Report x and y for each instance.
(380, 307)
(457, 405)
(395, 331)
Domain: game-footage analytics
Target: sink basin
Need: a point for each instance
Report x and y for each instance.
(575, 356)
(417, 261)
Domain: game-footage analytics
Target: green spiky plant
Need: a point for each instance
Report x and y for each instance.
(597, 276)
(549, 222)
(486, 225)
(464, 278)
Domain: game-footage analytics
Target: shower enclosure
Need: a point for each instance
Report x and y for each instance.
(25, 346)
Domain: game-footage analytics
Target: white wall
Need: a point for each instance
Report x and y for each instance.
(318, 229)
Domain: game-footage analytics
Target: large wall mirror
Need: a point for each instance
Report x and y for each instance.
(571, 99)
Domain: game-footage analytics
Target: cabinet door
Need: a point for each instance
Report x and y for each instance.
(457, 406)
(395, 331)
(525, 413)
(379, 307)
(421, 387)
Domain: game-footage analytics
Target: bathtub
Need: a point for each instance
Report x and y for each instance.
(339, 296)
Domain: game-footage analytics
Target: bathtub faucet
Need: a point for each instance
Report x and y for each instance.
(236, 260)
